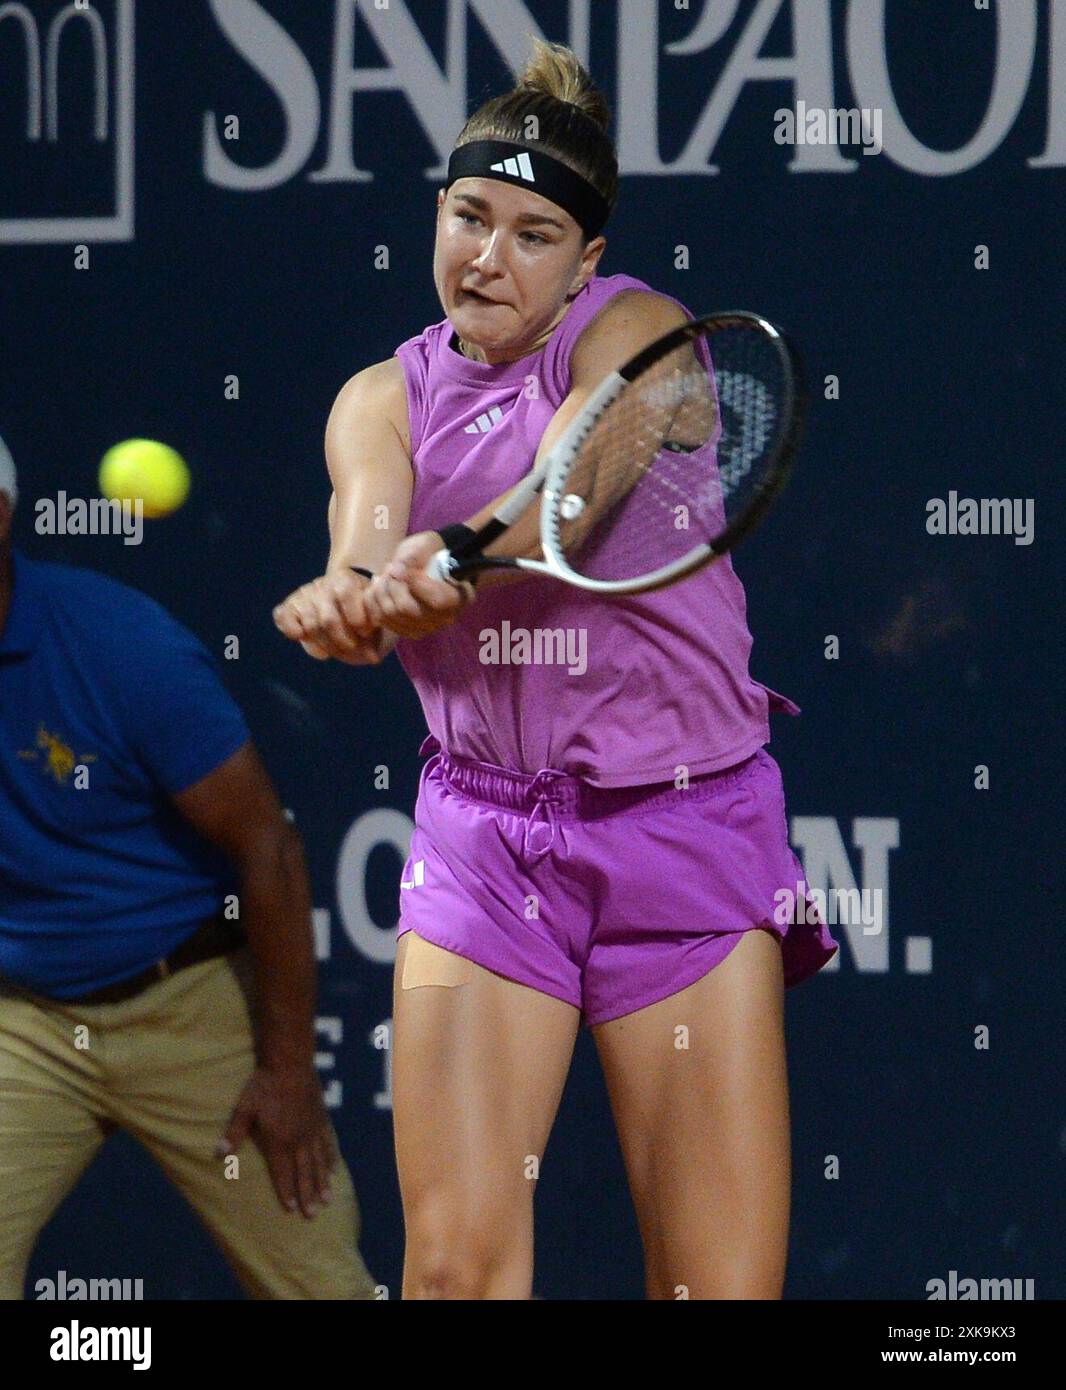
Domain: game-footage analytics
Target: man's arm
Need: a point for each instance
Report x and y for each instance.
(237, 809)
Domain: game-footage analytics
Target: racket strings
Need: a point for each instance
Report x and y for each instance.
(676, 454)
(659, 520)
(646, 474)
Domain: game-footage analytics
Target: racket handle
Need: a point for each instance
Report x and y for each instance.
(441, 566)
(456, 537)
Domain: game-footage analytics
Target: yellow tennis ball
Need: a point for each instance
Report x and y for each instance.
(145, 469)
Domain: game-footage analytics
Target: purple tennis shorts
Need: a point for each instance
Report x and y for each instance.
(607, 898)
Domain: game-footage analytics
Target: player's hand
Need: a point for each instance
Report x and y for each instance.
(285, 1114)
(405, 600)
(328, 619)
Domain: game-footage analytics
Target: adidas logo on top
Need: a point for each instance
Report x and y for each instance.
(520, 168)
(484, 423)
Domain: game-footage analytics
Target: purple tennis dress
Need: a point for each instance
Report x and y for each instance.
(599, 818)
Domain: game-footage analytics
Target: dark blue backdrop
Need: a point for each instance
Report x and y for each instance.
(950, 1156)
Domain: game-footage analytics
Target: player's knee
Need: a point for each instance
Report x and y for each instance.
(454, 1265)
(458, 1256)
(445, 1272)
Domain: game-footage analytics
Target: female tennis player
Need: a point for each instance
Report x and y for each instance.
(600, 832)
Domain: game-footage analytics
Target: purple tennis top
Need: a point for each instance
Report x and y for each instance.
(619, 690)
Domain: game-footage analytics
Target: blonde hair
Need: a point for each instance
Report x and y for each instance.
(554, 85)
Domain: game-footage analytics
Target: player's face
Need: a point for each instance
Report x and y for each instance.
(523, 269)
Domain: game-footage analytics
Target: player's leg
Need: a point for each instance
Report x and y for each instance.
(479, 1064)
(50, 1123)
(188, 1050)
(699, 1088)
(684, 994)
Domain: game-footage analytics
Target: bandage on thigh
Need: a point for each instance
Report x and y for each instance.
(428, 964)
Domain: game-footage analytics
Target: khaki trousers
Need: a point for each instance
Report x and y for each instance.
(167, 1067)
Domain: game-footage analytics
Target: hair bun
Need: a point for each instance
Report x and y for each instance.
(539, 112)
(556, 71)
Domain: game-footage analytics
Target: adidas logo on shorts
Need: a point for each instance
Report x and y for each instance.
(418, 875)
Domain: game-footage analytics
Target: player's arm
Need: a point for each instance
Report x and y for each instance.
(626, 325)
(370, 469)
(405, 598)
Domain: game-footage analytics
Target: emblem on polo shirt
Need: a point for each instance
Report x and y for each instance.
(55, 756)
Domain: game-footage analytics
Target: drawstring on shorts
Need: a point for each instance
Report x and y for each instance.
(547, 801)
(549, 796)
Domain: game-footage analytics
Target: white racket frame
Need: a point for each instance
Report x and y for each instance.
(549, 476)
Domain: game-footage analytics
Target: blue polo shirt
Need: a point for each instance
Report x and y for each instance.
(108, 707)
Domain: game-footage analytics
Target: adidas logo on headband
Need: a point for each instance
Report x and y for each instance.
(517, 168)
(553, 179)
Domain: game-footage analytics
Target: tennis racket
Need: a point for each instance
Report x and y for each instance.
(673, 460)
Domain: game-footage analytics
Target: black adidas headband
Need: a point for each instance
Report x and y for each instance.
(533, 169)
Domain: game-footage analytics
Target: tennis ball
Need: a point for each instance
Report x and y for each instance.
(145, 469)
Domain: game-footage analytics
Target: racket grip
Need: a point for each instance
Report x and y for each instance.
(444, 564)
(441, 566)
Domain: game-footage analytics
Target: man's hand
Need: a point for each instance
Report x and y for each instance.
(405, 600)
(285, 1114)
(328, 619)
